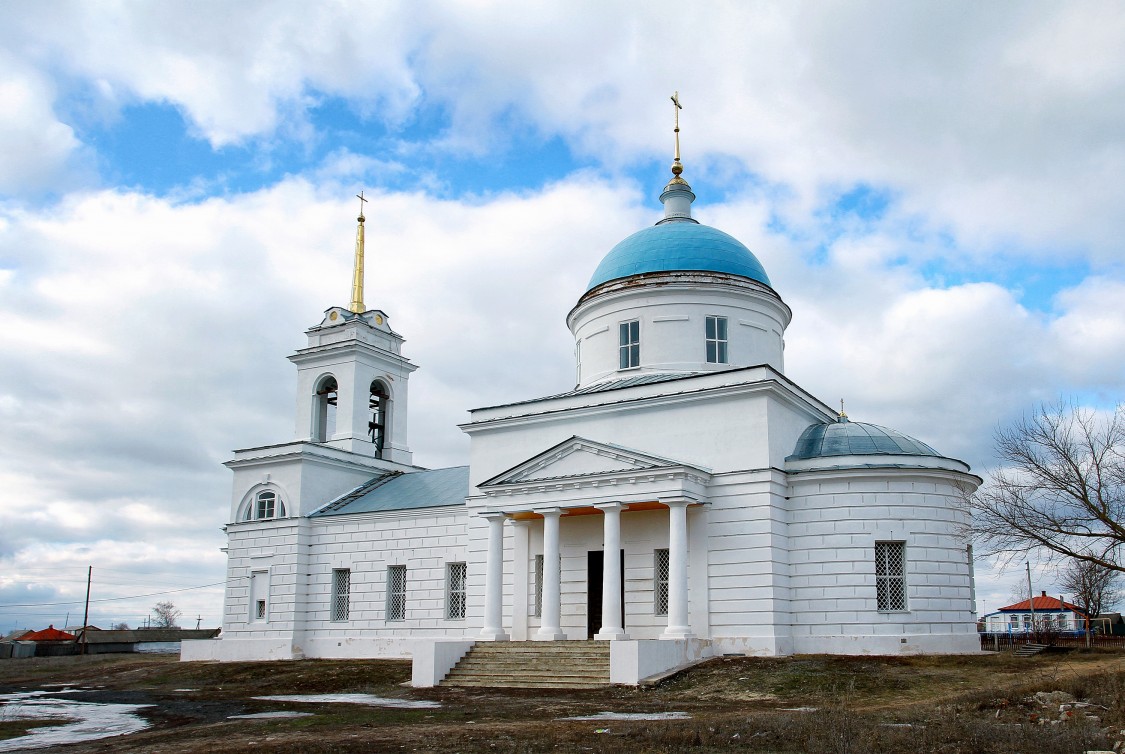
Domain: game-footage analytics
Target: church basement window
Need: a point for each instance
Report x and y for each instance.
(660, 582)
(259, 594)
(890, 576)
(396, 592)
(341, 593)
(630, 350)
(455, 574)
(716, 333)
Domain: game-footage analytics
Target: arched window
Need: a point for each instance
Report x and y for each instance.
(380, 405)
(324, 411)
(266, 504)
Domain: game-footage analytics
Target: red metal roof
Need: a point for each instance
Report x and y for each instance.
(50, 633)
(1042, 602)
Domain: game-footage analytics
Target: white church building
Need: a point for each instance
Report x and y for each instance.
(685, 499)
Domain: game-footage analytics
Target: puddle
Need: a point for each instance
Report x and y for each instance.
(367, 699)
(185, 690)
(797, 709)
(280, 714)
(602, 716)
(87, 721)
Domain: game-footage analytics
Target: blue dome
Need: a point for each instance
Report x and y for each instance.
(847, 438)
(678, 246)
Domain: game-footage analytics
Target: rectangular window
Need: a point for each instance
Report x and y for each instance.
(660, 582)
(341, 593)
(630, 344)
(259, 596)
(538, 606)
(890, 575)
(716, 331)
(455, 574)
(396, 592)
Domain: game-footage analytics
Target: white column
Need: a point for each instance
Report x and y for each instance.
(494, 580)
(612, 625)
(678, 627)
(549, 629)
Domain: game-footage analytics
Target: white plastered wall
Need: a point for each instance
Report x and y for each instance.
(836, 517)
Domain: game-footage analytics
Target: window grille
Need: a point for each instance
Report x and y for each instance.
(716, 331)
(341, 593)
(455, 574)
(630, 344)
(660, 582)
(260, 610)
(396, 592)
(890, 575)
(537, 609)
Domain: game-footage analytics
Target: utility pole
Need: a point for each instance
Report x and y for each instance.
(198, 622)
(1030, 596)
(86, 612)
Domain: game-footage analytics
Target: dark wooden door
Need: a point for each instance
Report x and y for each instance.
(595, 563)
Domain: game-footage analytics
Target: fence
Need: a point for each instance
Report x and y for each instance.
(998, 642)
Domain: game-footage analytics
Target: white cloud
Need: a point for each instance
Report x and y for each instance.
(35, 146)
(997, 123)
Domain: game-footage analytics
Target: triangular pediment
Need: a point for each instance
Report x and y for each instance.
(579, 457)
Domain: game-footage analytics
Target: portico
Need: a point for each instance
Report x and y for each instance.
(648, 485)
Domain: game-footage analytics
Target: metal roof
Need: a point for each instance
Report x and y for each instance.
(678, 246)
(602, 387)
(847, 438)
(400, 491)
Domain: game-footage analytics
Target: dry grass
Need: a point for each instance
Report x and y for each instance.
(960, 705)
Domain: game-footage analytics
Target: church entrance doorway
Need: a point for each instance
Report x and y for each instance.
(595, 562)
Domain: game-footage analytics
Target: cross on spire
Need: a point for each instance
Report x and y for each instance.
(362, 201)
(677, 167)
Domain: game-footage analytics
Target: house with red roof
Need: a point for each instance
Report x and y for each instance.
(50, 633)
(1049, 613)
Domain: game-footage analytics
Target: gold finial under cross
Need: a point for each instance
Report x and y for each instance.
(362, 201)
(843, 414)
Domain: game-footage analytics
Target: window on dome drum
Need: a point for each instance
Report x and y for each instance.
(341, 593)
(379, 404)
(630, 344)
(396, 592)
(890, 576)
(716, 332)
(660, 582)
(455, 574)
(324, 409)
(537, 607)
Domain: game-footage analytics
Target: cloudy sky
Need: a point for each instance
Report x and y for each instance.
(935, 188)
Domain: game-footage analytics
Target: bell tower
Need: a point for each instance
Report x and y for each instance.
(352, 378)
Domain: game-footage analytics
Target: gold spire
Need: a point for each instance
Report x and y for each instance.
(677, 166)
(356, 305)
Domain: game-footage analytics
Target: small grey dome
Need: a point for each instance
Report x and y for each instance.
(848, 438)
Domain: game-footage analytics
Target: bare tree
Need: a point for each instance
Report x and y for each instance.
(120, 626)
(165, 614)
(1061, 489)
(1095, 588)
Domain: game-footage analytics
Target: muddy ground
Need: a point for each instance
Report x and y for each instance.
(979, 704)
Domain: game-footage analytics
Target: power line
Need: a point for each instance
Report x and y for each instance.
(111, 599)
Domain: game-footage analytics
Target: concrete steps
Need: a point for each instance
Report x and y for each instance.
(533, 665)
(1029, 650)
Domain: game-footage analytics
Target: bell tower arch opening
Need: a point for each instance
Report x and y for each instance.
(324, 409)
(379, 404)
